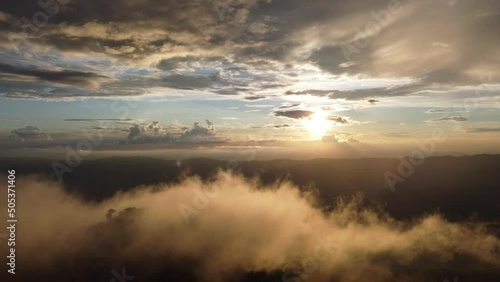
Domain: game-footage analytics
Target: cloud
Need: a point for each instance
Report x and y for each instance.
(187, 62)
(453, 119)
(330, 139)
(255, 98)
(191, 81)
(281, 125)
(387, 53)
(30, 134)
(147, 133)
(154, 133)
(201, 133)
(111, 129)
(251, 228)
(289, 105)
(438, 111)
(258, 106)
(255, 41)
(359, 94)
(482, 129)
(293, 114)
(98, 119)
(335, 139)
(401, 134)
(16, 89)
(231, 91)
(67, 77)
(432, 82)
(340, 119)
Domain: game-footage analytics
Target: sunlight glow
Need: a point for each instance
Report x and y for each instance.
(318, 125)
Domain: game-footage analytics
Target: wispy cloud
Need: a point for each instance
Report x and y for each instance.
(294, 114)
(440, 111)
(482, 129)
(98, 119)
(449, 119)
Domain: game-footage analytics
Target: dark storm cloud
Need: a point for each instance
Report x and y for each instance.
(75, 78)
(294, 114)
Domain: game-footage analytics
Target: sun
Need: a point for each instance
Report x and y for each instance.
(317, 125)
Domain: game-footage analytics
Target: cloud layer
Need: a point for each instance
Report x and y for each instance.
(247, 46)
(223, 229)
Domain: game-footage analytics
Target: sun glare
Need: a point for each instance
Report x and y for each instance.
(318, 125)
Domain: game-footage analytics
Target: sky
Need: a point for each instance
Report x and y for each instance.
(287, 78)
